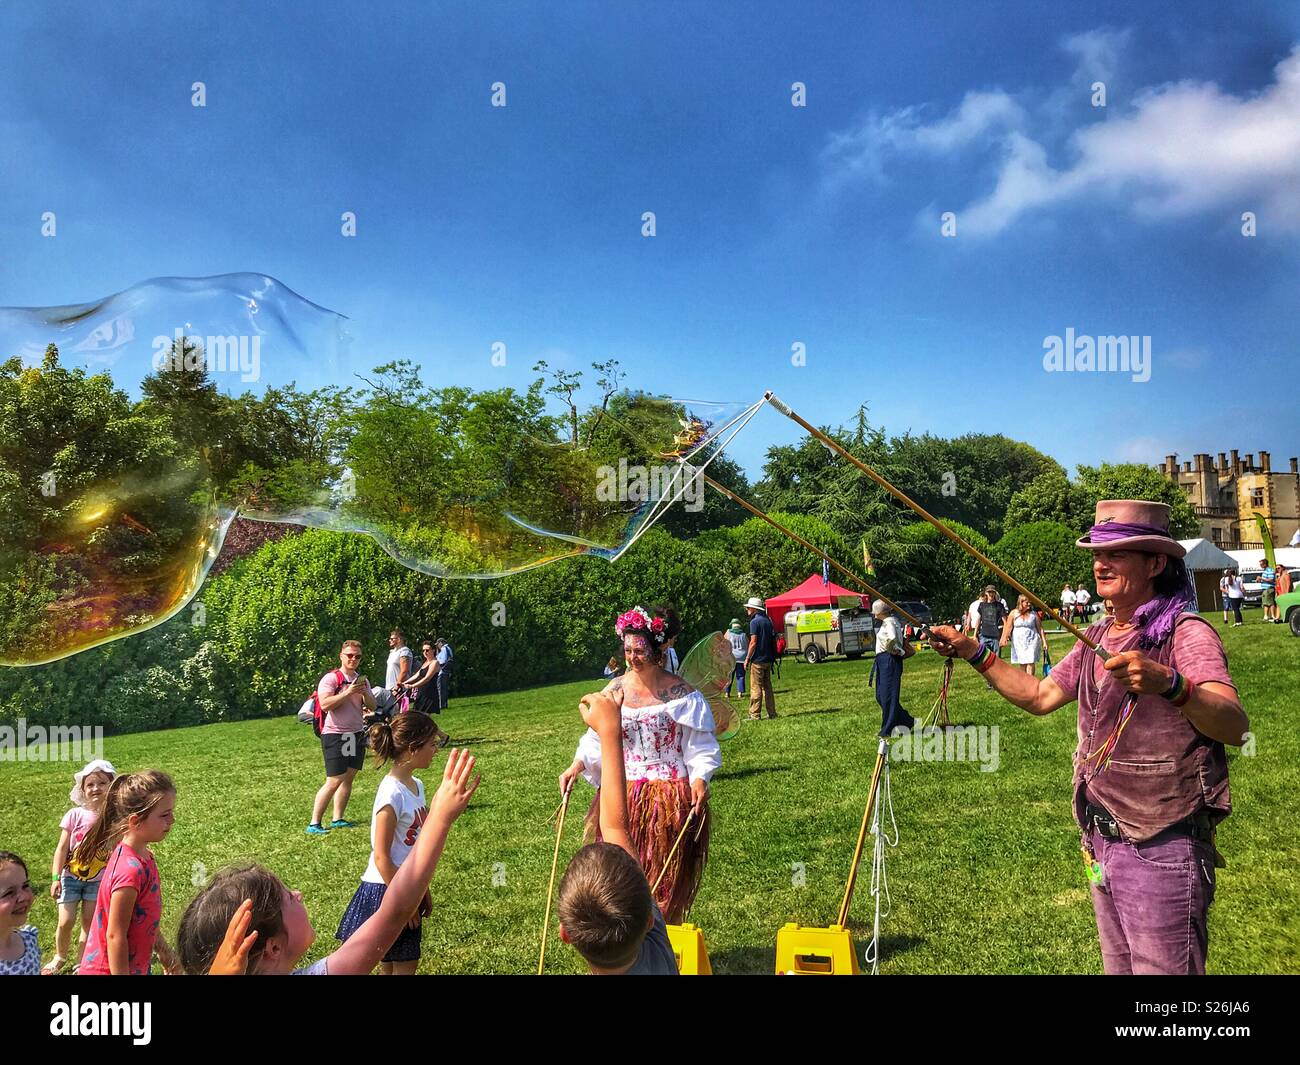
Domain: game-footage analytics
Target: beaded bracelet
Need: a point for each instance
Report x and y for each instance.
(982, 660)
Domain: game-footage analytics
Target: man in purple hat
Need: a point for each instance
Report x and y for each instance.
(1150, 771)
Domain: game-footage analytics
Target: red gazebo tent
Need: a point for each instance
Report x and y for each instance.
(811, 593)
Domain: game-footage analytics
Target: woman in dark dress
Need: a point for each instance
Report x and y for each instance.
(422, 686)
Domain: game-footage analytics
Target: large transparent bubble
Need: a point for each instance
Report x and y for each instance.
(178, 403)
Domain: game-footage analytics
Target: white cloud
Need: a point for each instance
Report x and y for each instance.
(1099, 53)
(862, 151)
(1177, 148)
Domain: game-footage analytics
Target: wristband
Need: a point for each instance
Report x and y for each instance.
(1180, 699)
(1177, 690)
(982, 660)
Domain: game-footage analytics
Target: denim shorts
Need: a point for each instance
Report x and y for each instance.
(73, 890)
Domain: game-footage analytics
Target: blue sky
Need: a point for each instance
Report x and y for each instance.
(775, 224)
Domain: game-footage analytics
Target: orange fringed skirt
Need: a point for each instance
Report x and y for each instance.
(656, 811)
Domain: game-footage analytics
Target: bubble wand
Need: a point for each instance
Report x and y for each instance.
(970, 549)
(550, 888)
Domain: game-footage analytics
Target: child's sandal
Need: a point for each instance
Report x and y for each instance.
(53, 965)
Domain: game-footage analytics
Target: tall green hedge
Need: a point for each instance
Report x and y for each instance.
(273, 624)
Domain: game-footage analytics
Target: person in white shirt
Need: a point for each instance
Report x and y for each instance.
(887, 669)
(1067, 603)
(1224, 583)
(1082, 597)
(671, 664)
(1236, 595)
(409, 743)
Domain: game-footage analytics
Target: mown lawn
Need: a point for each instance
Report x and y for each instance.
(986, 878)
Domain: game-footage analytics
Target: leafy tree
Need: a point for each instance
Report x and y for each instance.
(970, 479)
(1050, 497)
(1043, 557)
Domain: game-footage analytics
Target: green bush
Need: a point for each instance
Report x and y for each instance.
(1042, 556)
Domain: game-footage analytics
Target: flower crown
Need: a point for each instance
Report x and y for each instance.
(639, 618)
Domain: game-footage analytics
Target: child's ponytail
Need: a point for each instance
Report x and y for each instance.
(406, 732)
(131, 794)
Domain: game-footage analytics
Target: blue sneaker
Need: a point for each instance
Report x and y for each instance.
(316, 830)
(343, 824)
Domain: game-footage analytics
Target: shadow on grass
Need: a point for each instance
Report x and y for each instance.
(480, 741)
(752, 771)
(809, 713)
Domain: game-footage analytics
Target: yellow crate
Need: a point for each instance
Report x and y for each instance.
(688, 946)
(815, 952)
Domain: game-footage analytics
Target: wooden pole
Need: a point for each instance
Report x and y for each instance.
(862, 835)
(874, 592)
(550, 888)
(968, 548)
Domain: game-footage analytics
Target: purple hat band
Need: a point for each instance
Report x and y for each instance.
(1121, 530)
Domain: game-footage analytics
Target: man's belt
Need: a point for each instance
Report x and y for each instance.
(1198, 825)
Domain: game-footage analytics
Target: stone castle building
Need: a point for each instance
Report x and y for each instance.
(1227, 492)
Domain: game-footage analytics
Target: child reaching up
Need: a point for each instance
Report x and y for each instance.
(409, 742)
(605, 908)
(124, 935)
(73, 885)
(20, 953)
(247, 921)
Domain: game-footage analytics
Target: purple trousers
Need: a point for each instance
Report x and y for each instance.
(1153, 903)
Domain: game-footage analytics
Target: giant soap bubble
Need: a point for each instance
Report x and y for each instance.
(133, 430)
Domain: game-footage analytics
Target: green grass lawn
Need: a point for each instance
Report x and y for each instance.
(986, 878)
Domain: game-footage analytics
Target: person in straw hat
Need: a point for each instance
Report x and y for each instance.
(1150, 771)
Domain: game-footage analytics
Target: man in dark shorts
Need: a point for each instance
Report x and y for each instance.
(344, 695)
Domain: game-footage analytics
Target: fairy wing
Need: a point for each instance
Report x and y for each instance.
(708, 666)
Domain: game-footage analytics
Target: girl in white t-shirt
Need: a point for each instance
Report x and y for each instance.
(409, 742)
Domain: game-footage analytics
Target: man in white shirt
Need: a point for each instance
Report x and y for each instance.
(400, 661)
(887, 669)
(1067, 603)
(1082, 597)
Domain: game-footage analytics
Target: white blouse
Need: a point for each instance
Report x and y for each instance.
(667, 741)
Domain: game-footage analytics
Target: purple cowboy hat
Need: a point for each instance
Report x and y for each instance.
(1132, 525)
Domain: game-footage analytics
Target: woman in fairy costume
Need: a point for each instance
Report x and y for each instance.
(670, 751)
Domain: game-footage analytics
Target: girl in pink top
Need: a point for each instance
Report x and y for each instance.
(76, 887)
(124, 934)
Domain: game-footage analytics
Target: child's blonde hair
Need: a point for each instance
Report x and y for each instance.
(132, 794)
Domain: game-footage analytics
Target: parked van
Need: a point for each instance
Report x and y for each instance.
(814, 634)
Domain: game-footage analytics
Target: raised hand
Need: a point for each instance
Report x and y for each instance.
(601, 713)
(455, 791)
(232, 956)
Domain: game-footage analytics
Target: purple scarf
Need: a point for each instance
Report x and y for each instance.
(1156, 617)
